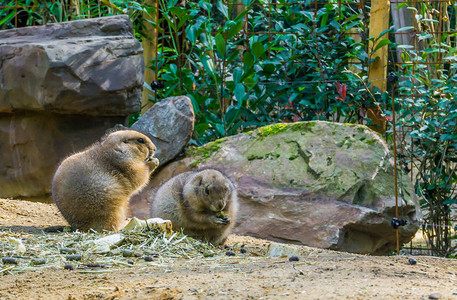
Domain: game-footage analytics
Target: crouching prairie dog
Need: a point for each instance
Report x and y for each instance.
(92, 188)
(203, 203)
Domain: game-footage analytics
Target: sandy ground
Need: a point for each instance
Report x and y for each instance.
(319, 274)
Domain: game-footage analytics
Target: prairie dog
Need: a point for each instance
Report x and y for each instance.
(203, 203)
(92, 188)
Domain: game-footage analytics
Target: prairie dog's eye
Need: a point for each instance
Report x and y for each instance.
(125, 141)
(207, 190)
(140, 140)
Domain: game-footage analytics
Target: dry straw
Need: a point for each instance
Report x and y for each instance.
(147, 245)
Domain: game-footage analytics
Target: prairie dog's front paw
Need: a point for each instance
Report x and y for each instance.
(153, 163)
(221, 221)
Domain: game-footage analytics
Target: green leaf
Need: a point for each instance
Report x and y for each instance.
(191, 33)
(243, 13)
(324, 19)
(381, 44)
(424, 36)
(147, 86)
(222, 8)
(450, 202)
(205, 5)
(405, 28)
(8, 18)
(258, 49)
(401, 5)
(220, 129)
(220, 44)
(248, 59)
(233, 56)
(430, 20)
(208, 64)
(384, 32)
(173, 68)
(237, 73)
(234, 30)
(239, 93)
(405, 46)
(232, 114)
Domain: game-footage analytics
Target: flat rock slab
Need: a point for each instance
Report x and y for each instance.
(321, 184)
(92, 66)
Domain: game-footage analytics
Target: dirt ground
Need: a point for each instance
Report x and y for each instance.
(319, 274)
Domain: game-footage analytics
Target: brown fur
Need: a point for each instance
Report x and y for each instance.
(203, 203)
(92, 188)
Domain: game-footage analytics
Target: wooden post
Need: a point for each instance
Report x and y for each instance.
(379, 21)
(149, 50)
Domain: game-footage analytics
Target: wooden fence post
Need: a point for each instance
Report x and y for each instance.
(149, 50)
(379, 21)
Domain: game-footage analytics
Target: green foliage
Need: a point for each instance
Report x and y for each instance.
(244, 74)
(426, 104)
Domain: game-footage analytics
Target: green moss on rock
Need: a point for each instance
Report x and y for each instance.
(201, 154)
(271, 130)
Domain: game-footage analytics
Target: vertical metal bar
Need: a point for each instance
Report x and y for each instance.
(269, 25)
(394, 132)
(15, 15)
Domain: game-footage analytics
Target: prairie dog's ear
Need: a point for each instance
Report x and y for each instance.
(198, 180)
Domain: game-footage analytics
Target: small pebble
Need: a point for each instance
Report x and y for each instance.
(242, 250)
(412, 261)
(38, 261)
(148, 258)
(230, 253)
(9, 260)
(208, 253)
(67, 251)
(434, 296)
(95, 265)
(127, 253)
(137, 254)
(130, 262)
(68, 267)
(155, 255)
(74, 257)
(294, 258)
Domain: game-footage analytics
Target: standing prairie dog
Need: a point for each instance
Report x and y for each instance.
(92, 188)
(203, 203)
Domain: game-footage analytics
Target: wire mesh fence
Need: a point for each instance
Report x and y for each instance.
(247, 63)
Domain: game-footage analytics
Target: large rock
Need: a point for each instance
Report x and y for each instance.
(61, 86)
(92, 66)
(320, 184)
(33, 144)
(169, 124)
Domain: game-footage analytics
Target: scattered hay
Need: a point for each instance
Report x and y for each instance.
(144, 246)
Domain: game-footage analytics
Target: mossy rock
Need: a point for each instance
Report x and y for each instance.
(317, 183)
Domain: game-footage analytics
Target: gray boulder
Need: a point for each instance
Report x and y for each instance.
(92, 66)
(61, 86)
(169, 124)
(321, 184)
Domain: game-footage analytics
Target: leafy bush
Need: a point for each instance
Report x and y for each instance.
(426, 105)
(244, 74)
